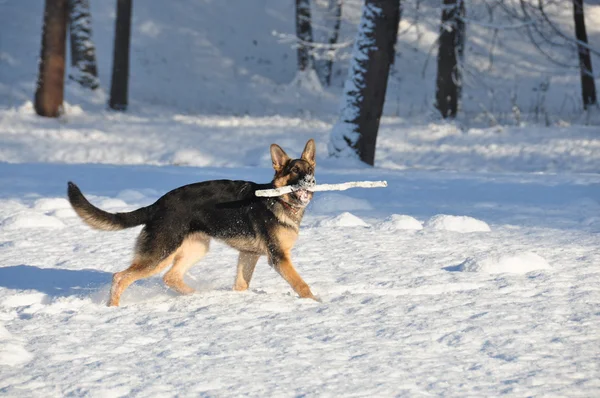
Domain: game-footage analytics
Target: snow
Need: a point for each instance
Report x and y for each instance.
(345, 219)
(520, 263)
(401, 222)
(474, 273)
(12, 352)
(402, 143)
(30, 220)
(395, 318)
(464, 224)
(335, 202)
(46, 204)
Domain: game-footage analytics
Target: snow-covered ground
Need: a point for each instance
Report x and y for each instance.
(444, 283)
(474, 273)
(212, 140)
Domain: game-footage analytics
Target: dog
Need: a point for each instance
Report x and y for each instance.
(179, 226)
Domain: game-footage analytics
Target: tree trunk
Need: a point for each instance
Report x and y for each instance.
(120, 70)
(355, 133)
(304, 34)
(335, 11)
(83, 51)
(450, 51)
(588, 86)
(51, 79)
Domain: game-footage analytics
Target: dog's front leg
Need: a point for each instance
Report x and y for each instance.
(282, 263)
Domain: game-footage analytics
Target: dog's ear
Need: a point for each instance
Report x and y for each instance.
(279, 157)
(309, 152)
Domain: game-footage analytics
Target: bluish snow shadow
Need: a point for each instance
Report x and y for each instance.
(52, 281)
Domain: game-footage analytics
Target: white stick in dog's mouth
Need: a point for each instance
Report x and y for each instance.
(321, 187)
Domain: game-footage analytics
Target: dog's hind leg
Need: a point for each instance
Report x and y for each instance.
(142, 267)
(155, 250)
(245, 268)
(193, 248)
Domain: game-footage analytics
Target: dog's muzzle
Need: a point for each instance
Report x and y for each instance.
(308, 181)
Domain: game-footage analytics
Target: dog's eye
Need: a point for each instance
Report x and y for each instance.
(295, 170)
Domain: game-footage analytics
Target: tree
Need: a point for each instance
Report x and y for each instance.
(450, 52)
(588, 87)
(304, 34)
(51, 78)
(325, 23)
(120, 70)
(355, 133)
(83, 51)
(335, 12)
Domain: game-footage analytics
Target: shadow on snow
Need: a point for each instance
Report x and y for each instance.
(53, 281)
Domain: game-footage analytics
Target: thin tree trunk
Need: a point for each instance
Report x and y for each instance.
(355, 133)
(83, 51)
(396, 23)
(304, 34)
(588, 86)
(450, 50)
(120, 70)
(335, 10)
(51, 79)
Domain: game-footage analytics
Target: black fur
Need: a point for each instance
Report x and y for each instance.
(222, 209)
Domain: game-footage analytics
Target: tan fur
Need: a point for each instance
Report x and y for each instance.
(252, 245)
(286, 269)
(193, 248)
(286, 238)
(281, 181)
(278, 157)
(291, 220)
(140, 268)
(309, 153)
(245, 269)
(94, 222)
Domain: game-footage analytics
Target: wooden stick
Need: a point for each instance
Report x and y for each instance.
(321, 187)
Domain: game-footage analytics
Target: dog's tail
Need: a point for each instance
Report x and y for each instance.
(103, 220)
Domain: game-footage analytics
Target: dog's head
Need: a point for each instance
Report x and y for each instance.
(295, 172)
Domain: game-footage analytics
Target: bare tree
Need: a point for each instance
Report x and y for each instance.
(304, 34)
(51, 78)
(355, 133)
(120, 71)
(588, 87)
(450, 52)
(83, 51)
(335, 14)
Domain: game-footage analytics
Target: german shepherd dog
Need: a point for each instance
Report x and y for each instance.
(179, 226)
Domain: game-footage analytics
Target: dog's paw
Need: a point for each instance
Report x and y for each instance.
(240, 287)
(313, 297)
